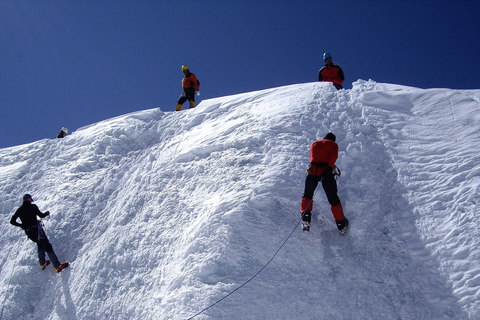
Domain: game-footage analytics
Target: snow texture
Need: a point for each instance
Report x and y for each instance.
(162, 214)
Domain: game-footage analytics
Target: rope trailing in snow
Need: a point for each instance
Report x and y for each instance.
(11, 273)
(259, 271)
(9, 279)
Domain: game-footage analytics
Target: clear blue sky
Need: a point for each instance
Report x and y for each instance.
(74, 63)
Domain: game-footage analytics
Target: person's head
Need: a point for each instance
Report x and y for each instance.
(330, 136)
(185, 69)
(27, 197)
(63, 132)
(327, 57)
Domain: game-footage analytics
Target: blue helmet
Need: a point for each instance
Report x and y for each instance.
(327, 55)
(27, 196)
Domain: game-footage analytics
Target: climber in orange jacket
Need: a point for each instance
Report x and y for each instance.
(331, 72)
(190, 84)
(323, 155)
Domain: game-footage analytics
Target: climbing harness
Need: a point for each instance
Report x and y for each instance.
(336, 172)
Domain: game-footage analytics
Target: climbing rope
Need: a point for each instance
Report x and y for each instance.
(9, 278)
(40, 226)
(259, 271)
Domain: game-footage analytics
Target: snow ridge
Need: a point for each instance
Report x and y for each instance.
(162, 214)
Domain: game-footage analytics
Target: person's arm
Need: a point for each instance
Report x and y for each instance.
(320, 78)
(14, 218)
(333, 156)
(195, 82)
(39, 213)
(341, 75)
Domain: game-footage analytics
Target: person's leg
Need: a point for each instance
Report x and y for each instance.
(190, 92)
(330, 187)
(181, 101)
(306, 205)
(41, 254)
(45, 245)
(53, 259)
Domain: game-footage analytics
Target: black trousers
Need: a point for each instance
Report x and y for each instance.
(329, 185)
(188, 94)
(37, 235)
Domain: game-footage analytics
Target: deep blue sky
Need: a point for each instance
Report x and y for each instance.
(74, 63)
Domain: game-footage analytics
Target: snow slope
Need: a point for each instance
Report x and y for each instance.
(163, 214)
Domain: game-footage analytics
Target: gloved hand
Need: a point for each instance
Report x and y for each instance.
(198, 93)
(47, 213)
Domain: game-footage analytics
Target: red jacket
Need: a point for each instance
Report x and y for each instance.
(324, 151)
(190, 81)
(331, 73)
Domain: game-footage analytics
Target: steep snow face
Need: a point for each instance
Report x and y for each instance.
(433, 142)
(163, 214)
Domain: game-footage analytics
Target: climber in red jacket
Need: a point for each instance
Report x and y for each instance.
(331, 72)
(323, 155)
(190, 84)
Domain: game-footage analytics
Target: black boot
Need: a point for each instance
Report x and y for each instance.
(307, 216)
(306, 219)
(342, 226)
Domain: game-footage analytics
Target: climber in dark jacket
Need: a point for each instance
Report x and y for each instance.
(62, 133)
(28, 213)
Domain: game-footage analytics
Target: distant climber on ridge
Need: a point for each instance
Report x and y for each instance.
(63, 132)
(190, 84)
(323, 155)
(28, 213)
(331, 72)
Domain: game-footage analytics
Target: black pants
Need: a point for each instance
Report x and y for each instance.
(188, 94)
(37, 235)
(329, 185)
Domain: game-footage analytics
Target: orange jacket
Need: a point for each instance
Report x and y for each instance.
(324, 151)
(331, 73)
(190, 81)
